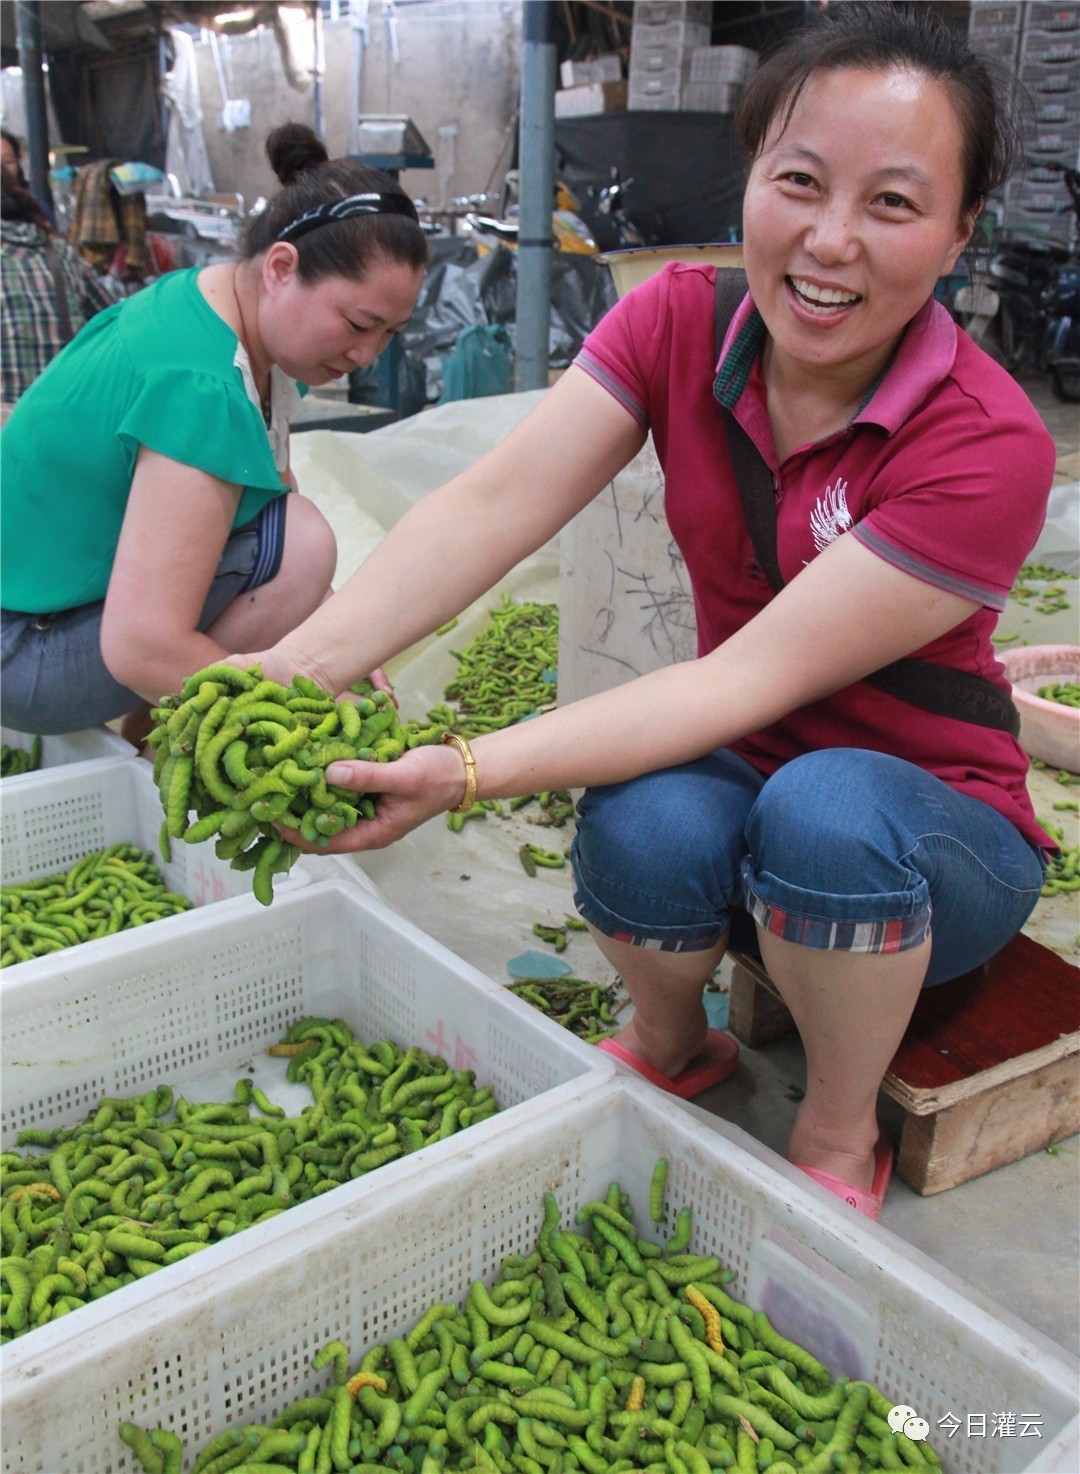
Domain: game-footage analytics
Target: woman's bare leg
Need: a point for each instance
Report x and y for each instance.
(669, 1025)
(851, 1010)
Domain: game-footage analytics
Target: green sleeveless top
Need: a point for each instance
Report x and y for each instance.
(159, 369)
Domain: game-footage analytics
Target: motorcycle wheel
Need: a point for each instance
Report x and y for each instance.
(1065, 363)
(1010, 341)
(1065, 378)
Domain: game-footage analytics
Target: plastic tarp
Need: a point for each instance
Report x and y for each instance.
(687, 177)
(463, 289)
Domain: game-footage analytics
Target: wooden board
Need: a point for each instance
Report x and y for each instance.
(1024, 1001)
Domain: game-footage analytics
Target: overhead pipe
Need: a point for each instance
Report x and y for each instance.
(536, 157)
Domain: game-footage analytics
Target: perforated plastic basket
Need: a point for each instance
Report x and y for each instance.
(237, 1347)
(54, 818)
(198, 1011)
(71, 747)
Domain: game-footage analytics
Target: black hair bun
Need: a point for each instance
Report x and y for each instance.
(292, 149)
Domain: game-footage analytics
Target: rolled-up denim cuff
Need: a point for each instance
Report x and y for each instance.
(669, 939)
(676, 937)
(872, 923)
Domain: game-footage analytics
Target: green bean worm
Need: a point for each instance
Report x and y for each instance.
(657, 1186)
(139, 1441)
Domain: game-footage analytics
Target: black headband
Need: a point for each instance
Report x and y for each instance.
(354, 204)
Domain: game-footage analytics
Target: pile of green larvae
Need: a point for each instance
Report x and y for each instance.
(104, 892)
(15, 760)
(602, 1351)
(585, 1008)
(1063, 865)
(248, 754)
(1065, 693)
(506, 673)
(144, 1182)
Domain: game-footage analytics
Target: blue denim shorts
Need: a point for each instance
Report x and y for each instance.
(52, 676)
(842, 849)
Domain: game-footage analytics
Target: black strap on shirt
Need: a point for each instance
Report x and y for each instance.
(63, 311)
(935, 688)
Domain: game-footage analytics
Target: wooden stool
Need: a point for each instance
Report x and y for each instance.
(986, 1073)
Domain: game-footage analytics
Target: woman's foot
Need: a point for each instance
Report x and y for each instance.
(136, 725)
(849, 1156)
(865, 1199)
(667, 1049)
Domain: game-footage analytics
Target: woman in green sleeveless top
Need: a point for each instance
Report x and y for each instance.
(148, 528)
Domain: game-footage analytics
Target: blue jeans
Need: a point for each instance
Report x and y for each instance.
(843, 849)
(54, 678)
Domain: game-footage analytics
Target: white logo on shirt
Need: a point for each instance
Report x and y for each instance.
(831, 516)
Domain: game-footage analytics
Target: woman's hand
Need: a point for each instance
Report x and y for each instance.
(282, 662)
(420, 784)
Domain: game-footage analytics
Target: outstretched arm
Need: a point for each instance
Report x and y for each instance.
(790, 654)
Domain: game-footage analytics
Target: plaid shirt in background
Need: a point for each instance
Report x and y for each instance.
(30, 331)
(103, 219)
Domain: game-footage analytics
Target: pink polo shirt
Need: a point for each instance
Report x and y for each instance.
(944, 472)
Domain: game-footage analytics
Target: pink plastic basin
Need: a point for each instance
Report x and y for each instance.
(1048, 730)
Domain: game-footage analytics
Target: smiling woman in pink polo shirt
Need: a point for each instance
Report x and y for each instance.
(854, 486)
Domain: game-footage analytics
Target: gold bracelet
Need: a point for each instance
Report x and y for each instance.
(470, 773)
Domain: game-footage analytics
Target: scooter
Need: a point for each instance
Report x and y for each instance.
(610, 201)
(569, 232)
(1037, 286)
(1061, 342)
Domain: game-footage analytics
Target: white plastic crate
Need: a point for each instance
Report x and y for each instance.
(1053, 112)
(984, 15)
(604, 68)
(999, 45)
(54, 818)
(198, 1013)
(189, 1009)
(1050, 81)
(712, 96)
(723, 64)
(673, 35)
(1047, 15)
(237, 1347)
(655, 61)
(663, 93)
(1061, 144)
(662, 12)
(1050, 48)
(91, 745)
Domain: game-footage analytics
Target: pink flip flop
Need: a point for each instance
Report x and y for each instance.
(715, 1063)
(866, 1203)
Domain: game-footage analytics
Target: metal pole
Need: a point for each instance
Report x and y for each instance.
(28, 21)
(318, 69)
(163, 72)
(358, 39)
(537, 195)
